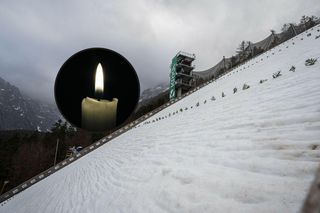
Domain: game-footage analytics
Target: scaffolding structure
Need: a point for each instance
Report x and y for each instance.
(181, 78)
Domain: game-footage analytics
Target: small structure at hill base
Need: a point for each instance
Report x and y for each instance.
(181, 78)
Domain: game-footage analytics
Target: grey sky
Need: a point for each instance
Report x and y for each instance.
(36, 37)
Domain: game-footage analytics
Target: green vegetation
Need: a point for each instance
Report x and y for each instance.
(24, 154)
(310, 61)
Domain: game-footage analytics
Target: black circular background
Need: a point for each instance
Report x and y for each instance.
(76, 77)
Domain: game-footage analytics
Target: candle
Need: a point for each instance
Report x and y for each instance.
(99, 114)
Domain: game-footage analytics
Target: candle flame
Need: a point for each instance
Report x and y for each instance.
(99, 79)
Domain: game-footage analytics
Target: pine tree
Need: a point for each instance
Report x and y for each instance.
(241, 50)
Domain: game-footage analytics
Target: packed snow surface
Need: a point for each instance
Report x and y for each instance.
(253, 151)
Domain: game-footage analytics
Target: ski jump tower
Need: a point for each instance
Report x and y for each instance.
(181, 79)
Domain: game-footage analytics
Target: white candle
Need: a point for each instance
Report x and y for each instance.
(98, 115)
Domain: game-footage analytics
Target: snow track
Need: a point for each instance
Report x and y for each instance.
(253, 151)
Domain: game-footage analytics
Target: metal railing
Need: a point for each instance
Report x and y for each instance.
(190, 55)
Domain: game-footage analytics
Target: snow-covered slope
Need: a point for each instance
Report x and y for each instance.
(253, 151)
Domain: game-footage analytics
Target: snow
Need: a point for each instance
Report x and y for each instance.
(253, 151)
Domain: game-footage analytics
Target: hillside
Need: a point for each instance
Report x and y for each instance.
(20, 112)
(255, 150)
(152, 92)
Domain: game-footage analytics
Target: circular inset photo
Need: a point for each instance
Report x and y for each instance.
(96, 89)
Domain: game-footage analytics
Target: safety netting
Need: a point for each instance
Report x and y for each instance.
(251, 50)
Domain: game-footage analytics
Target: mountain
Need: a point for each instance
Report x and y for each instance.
(253, 149)
(150, 99)
(154, 91)
(20, 112)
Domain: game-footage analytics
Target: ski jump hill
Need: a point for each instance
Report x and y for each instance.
(255, 150)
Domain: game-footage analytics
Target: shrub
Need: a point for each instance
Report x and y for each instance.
(276, 74)
(245, 86)
(310, 61)
(292, 69)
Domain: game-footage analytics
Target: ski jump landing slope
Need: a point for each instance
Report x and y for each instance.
(253, 151)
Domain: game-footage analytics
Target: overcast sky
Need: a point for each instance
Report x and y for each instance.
(37, 37)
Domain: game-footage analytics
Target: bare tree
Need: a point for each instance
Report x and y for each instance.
(285, 27)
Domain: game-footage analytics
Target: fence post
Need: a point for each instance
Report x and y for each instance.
(55, 155)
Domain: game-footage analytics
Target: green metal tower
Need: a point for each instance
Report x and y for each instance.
(181, 79)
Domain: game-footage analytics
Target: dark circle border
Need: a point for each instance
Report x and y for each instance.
(74, 55)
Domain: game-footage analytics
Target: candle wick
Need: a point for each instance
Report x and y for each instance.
(99, 95)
